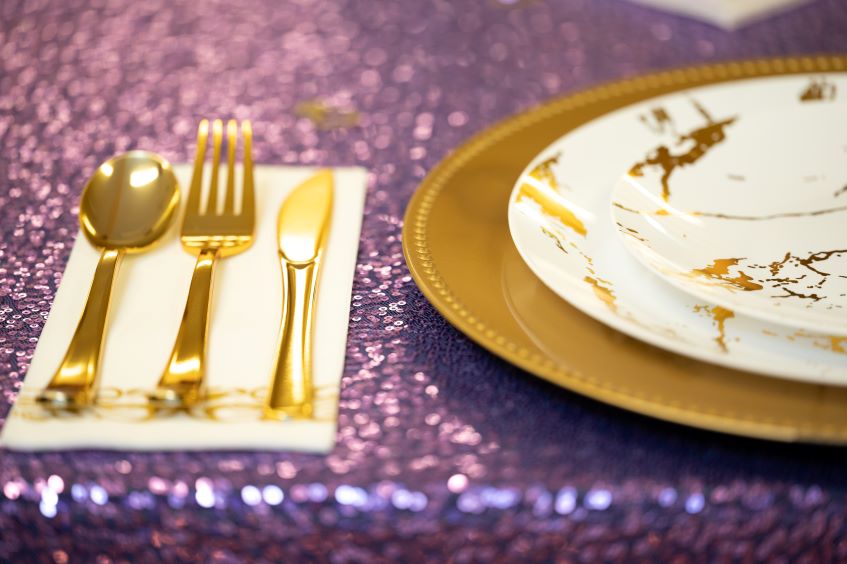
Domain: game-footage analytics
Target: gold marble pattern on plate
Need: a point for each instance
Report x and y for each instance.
(699, 142)
(799, 276)
(737, 217)
(832, 343)
(502, 306)
(603, 290)
(819, 89)
(719, 270)
(658, 121)
(719, 315)
(541, 187)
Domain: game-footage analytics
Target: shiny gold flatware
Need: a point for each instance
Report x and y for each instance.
(126, 206)
(210, 233)
(302, 229)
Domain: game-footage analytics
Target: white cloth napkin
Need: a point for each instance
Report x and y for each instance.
(728, 14)
(147, 306)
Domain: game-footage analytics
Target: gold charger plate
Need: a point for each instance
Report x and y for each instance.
(457, 244)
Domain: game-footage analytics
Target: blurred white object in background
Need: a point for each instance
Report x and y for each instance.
(728, 14)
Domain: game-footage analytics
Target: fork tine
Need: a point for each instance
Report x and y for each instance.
(217, 136)
(248, 204)
(229, 197)
(193, 205)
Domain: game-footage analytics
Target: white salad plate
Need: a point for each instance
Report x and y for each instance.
(560, 220)
(750, 212)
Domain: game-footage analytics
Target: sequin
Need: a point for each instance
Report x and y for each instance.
(442, 448)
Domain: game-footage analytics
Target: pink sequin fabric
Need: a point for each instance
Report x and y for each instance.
(442, 448)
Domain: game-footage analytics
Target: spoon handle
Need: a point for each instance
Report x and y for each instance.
(181, 385)
(74, 384)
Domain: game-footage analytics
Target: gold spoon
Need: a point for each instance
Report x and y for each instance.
(126, 207)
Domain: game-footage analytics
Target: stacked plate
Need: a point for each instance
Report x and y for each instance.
(711, 222)
(669, 244)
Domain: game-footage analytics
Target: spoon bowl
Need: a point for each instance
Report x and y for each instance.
(127, 206)
(129, 202)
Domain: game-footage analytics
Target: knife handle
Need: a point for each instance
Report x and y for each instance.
(290, 393)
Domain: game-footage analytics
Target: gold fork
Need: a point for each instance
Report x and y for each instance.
(211, 234)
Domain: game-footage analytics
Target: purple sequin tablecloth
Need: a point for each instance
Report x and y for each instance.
(442, 447)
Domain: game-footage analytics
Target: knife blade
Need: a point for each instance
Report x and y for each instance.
(303, 220)
(303, 226)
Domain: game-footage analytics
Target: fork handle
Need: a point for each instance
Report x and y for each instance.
(290, 393)
(183, 381)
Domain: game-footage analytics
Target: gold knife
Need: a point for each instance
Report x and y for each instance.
(302, 228)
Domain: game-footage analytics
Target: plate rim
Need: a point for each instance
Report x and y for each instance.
(423, 270)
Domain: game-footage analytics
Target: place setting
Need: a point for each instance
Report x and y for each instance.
(193, 304)
(668, 244)
(689, 270)
(500, 281)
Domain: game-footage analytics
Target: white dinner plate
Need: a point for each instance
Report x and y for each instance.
(750, 212)
(560, 222)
